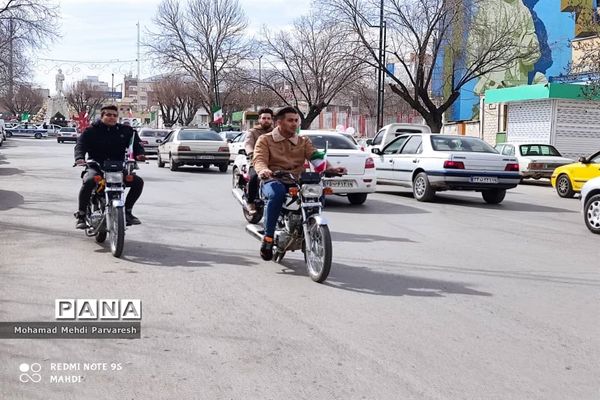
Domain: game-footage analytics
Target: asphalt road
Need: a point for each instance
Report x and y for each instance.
(454, 299)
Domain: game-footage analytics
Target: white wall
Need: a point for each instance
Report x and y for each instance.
(529, 121)
(577, 127)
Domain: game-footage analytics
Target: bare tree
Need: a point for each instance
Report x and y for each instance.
(24, 25)
(165, 90)
(203, 38)
(457, 40)
(24, 100)
(309, 65)
(84, 98)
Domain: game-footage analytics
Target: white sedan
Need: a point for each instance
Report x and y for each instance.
(428, 163)
(360, 179)
(236, 145)
(535, 160)
(590, 200)
(192, 146)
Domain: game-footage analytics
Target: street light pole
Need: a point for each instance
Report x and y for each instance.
(112, 85)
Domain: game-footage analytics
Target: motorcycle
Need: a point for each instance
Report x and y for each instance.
(105, 214)
(241, 178)
(300, 225)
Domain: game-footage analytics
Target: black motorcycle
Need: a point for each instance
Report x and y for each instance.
(105, 213)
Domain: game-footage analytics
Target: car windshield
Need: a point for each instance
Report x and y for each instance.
(460, 143)
(199, 135)
(538, 150)
(230, 135)
(334, 142)
(154, 133)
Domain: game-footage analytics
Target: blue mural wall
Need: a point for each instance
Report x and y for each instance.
(553, 29)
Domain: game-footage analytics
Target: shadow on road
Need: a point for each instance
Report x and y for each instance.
(10, 171)
(368, 281)
(371, 206)
(197, 170)
(364, 238)
(163, 255)
(10, 199)
(506, 205)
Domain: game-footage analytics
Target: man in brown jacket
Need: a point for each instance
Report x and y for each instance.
(282, 150)
(265, 125)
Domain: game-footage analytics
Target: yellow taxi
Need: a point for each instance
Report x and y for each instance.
(570, 178)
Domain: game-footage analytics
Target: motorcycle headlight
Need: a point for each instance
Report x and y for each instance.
(113, 177)
(312, 190)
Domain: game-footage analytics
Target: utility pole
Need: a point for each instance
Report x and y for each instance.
(139, 86)
(381, 74)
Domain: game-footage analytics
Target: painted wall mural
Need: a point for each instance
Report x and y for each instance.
(547, 24)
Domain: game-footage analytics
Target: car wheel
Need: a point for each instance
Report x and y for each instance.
(37, 136)
(8, 134)
(592, 214)
(564, 187)
(172, 164)
(493, 196)
(160, 162)
(357, 198)
(422, 189)
(223, 167)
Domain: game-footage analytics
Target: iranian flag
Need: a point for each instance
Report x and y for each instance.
(217, 115)
(319, 160)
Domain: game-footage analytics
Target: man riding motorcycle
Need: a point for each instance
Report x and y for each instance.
(265, 125)
(107, 140)
(282, 150)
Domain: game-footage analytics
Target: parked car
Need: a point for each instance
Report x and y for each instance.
(389, 132)
(26, 130)
(428, 163)
(570, 178)
(193, 146)
(2, 130)
(236, 146)
(66, 134)
(590, 201)
(149, 138)
(361, 178)
(535, 160)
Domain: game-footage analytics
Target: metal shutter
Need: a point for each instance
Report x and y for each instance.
(529, 122)
(577, 130)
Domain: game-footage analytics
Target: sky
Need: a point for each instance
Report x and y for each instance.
(105, 31)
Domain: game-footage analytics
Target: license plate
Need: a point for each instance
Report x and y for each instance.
(339, 184)
(484, 179)
(204, 157)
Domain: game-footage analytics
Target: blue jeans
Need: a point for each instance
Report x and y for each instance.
(275, 192)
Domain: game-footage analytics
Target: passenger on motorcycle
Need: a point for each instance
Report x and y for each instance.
(283, 150)
(107, 140)
(265, 125)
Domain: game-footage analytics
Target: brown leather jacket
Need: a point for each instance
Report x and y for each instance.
(252, 137)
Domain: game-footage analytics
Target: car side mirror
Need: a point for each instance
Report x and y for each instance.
(583, 160)
(369, 142)
(242, 151)
(229, 140)
(376, 150)
(158, 140)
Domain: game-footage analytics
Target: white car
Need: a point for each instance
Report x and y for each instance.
(360, 179)
(535, 160)
(193, 146)
(149, 138)
(67, 134)
(590, 201)
(428, 163)
(236, 145)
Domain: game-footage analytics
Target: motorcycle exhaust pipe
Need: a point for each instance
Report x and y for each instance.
(237, 193)
(255, 231)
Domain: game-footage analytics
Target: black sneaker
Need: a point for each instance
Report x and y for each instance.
(266, 249)
(131, 219)
(80, 223)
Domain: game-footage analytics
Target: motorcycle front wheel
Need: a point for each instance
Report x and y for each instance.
(117, 230)
(318, 254)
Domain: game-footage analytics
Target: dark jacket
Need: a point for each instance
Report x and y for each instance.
(102, 142)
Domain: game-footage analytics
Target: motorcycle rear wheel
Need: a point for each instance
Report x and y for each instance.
(319, 255)
(101, 237)
(117, 231)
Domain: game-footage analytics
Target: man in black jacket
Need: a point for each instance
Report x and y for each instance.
(107, 140)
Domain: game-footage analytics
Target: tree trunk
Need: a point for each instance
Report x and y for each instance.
(313, 112)
(434, 120)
